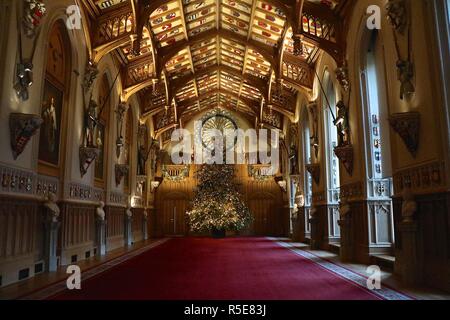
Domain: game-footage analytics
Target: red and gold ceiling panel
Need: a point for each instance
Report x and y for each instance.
(207, 83)
(269, 23)
(200, 16)
(256, 64)
(180, 65)
(167, 24)
(187, 92)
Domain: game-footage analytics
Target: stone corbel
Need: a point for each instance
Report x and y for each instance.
(407, 126)
(22, 127)
(87, 156)
(121, 170)
(314, 171)
(345, 155)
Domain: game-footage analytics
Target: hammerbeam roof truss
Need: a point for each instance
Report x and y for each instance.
(184, 56)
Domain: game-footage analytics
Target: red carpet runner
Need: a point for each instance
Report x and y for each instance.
(231, 269)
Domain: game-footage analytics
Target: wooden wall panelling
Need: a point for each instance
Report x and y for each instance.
(115, 228)
(77, 232)
(21, 244)
(263, 197)
(137, 227)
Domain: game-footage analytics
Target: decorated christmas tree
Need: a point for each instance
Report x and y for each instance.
(217, 205)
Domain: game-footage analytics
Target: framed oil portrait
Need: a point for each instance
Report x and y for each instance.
(50, 136)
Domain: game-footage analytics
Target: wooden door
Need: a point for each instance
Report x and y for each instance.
(264, 214)
(173, 217)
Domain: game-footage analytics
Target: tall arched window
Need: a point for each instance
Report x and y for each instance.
(128, 146)
(101, 131)
(308, 182)
(331, 142)
(54, 102)
(379, 162)
(378, 153)
(308, 159)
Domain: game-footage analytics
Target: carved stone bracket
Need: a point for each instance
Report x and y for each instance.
(22, 127)
(314, 170)
(121, 170)
(87, 156)
(407, 125)
(345, 154)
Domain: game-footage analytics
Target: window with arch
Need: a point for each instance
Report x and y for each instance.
(331, 139)
(307, 158)
(54, 101)
(127, 147)
(377, 127)
(101, 131)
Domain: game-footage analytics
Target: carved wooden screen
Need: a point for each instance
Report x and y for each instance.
(53, 110)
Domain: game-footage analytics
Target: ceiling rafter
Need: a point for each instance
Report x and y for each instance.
(296, 72)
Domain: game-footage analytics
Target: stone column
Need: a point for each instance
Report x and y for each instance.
(128, 227)
(51, 228)
(101, 229)
(51, 244)
(101, 237)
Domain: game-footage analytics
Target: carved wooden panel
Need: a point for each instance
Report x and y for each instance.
(20, 228)
(116, 224)
(77, 224)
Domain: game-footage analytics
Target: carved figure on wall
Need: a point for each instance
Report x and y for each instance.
(142, 160)
(128, 212)
(344, 209)
(405, 74)
(52, 208)
(90, 122)
(342, 123)
(409, 205)
(101, 211)
(312, 108)
(397, 14)
(90, 74)
(293, 160)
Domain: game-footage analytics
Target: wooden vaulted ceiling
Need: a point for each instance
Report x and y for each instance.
(182, 57)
